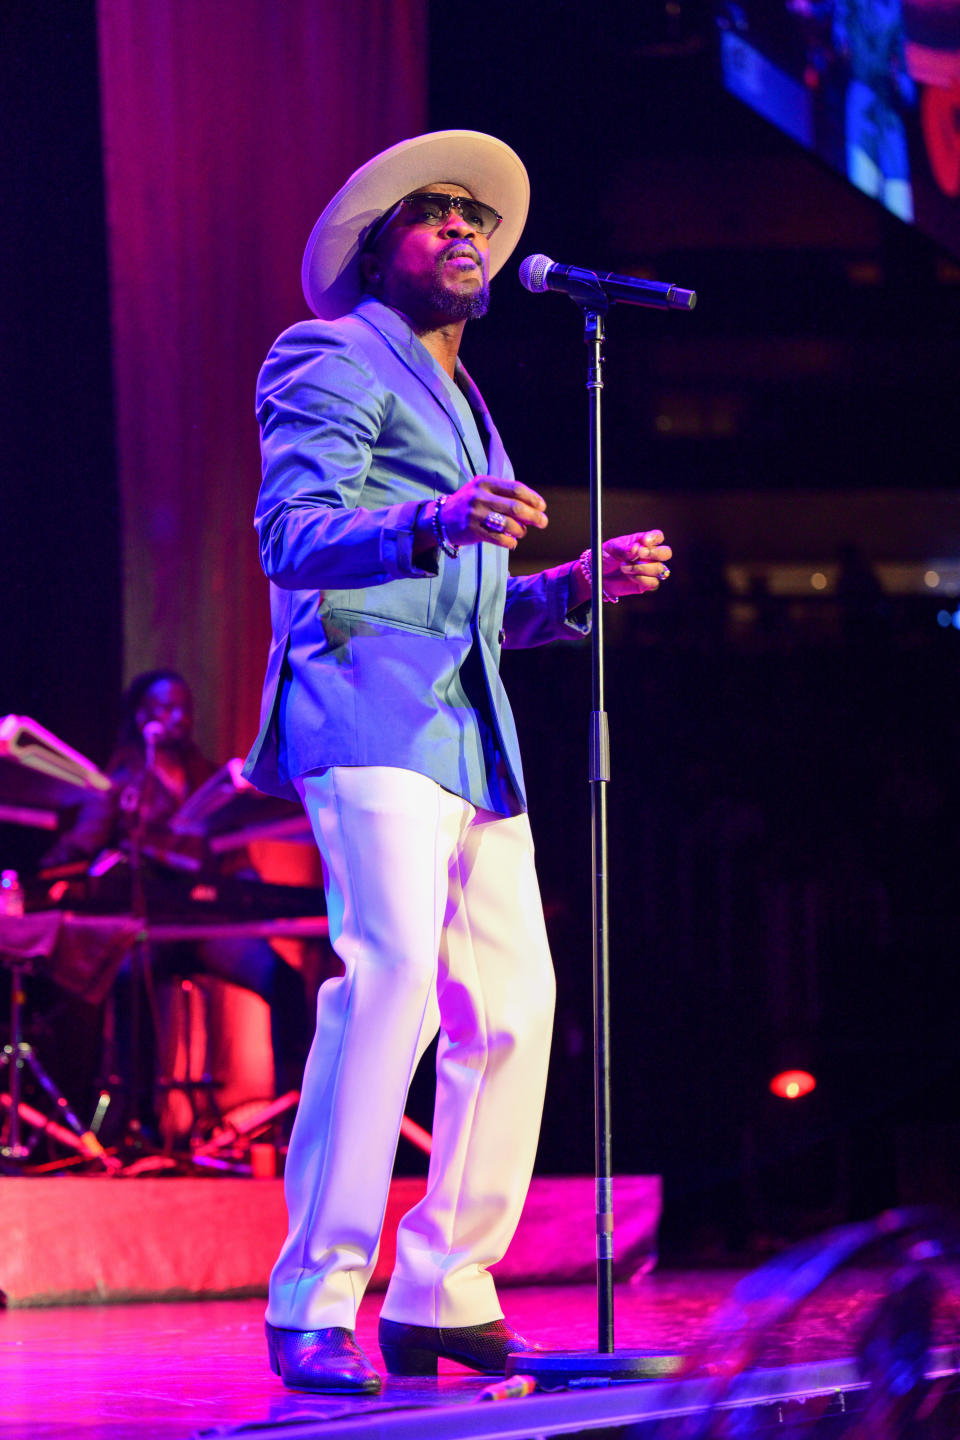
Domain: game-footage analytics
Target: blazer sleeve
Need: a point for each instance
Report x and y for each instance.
(537, 610)
(320, 407)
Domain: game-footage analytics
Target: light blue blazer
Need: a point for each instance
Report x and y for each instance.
(374, 660)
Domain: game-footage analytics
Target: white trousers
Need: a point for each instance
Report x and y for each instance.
(435, 912)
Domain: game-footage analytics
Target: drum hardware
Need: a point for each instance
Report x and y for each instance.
(18, 1057)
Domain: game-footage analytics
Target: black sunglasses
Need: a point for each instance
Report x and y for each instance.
(431, 208)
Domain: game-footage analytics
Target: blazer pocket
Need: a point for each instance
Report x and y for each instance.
(407, 600)
(369, 621)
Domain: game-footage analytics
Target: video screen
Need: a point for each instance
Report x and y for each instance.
(871, 86)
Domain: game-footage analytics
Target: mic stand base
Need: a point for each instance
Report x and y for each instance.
(555, 1369)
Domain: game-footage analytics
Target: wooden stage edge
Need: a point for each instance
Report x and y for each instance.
(89, 1240)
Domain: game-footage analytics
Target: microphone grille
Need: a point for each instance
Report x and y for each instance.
(533, 273)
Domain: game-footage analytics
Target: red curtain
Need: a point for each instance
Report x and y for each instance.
(227, 125)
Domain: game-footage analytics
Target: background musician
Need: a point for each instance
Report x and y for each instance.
(151, 780)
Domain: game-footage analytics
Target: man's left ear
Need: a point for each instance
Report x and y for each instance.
(370, 270)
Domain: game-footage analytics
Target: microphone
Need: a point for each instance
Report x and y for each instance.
(538, 273)
(151, 733)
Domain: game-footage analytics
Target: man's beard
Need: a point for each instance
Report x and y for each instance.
(454, 306)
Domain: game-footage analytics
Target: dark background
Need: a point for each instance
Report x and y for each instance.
(782, 820)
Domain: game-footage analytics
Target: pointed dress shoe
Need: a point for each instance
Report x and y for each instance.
(326, 1360)
(415, 1349)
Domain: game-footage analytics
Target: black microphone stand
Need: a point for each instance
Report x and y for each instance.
(560, 1367)
(141, 956)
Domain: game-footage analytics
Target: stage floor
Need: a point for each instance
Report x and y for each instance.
(128, 1372)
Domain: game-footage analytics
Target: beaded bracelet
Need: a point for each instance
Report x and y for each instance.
(443, 539)
(586, 570)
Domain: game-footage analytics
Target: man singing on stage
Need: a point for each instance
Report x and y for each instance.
(386, 517)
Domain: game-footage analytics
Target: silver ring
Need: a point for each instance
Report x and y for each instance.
(496, 522)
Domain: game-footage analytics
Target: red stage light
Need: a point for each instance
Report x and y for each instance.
(791, 1084)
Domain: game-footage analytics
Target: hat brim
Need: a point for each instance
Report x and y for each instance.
(489, 169)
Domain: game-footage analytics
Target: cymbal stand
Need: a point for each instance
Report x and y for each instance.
(17, 1056)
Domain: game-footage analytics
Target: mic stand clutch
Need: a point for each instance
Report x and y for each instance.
(561, 1367)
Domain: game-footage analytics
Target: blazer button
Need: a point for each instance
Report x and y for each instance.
(501, 636)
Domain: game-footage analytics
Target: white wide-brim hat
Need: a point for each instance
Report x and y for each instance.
(489, 169)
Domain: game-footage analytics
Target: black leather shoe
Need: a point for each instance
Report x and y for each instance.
(327, 1360)
(415, 1349)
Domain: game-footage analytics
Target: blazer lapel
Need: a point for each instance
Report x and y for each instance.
(402, 341)
(496, 454)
